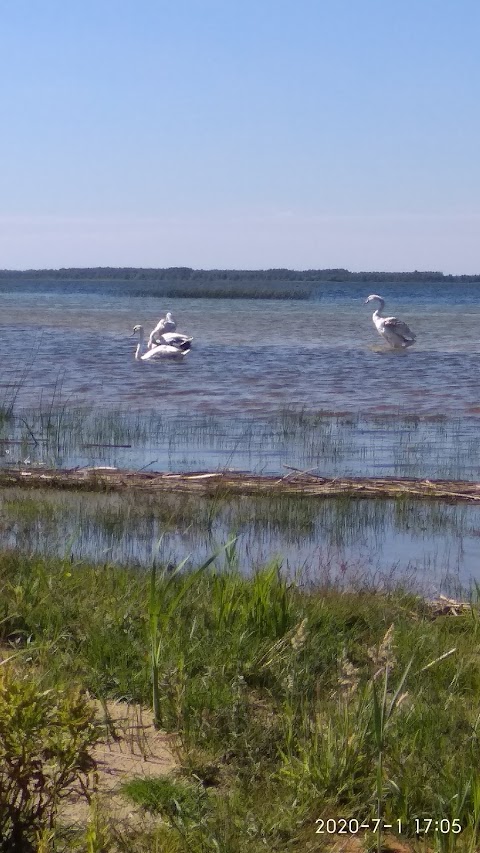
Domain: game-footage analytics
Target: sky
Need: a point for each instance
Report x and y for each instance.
(247, 134)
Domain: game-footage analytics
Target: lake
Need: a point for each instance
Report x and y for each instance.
(268, 383)
(249, 356)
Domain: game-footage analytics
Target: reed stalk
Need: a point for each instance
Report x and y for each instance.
(163, 604)
(383, 711)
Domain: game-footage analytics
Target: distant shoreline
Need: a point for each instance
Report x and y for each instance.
(187, 274)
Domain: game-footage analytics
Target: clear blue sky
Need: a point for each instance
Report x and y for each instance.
(240, 133)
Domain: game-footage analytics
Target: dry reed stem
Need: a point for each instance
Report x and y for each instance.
(225, 483)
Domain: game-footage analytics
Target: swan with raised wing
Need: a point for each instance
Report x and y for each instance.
(175, 339)
(161, 351)
(165, 324)
(396, 333)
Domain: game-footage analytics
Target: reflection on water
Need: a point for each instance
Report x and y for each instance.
(429, 546)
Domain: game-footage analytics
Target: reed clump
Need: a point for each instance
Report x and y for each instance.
(290, 705)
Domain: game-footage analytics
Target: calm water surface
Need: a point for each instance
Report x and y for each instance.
(249, 356)
(251, 360)
(235, 400)
(428, 547)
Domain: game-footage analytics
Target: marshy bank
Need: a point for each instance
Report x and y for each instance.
(300, 679)
(289, 705)
(288, 463)
(302, 676)
(312, 529)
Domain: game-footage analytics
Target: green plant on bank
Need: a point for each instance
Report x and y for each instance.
(383, 709)
(97, 836)
(287, 700)
(45, 736)
(164, 602)
(174, 799)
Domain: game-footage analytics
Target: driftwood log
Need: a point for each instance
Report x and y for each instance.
(238, 483)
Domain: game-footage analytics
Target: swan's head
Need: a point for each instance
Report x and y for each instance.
(137, 329)
(372, 297)
(169, 317)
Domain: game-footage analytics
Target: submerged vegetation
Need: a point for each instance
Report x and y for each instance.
(187, 283)
(429, 545)
(294, 708)
(57, 434)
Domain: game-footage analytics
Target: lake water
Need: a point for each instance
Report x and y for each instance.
(425, 546)
(249, 356)
(268, 384)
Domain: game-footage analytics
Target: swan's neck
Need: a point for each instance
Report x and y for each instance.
(141, 346)
(379, 310)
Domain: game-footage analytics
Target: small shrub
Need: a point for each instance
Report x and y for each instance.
(45, 737)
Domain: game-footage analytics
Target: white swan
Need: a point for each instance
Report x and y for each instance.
(161, 351)
(175, 339)
(395, 332)
(165, 324)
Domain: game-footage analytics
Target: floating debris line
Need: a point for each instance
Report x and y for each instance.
(240, 483)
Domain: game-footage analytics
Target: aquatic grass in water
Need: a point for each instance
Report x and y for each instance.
(325, 443)
(430, 545)
(141, 284)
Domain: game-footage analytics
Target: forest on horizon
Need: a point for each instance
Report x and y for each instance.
(186, 274)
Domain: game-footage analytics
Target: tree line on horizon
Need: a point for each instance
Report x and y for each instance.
(189, 274)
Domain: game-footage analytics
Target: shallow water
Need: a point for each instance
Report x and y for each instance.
(325, 444)
(249, 356)
(268, 385)
(428, 547)
(256, 364)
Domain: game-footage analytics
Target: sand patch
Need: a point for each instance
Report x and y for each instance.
(132, 747)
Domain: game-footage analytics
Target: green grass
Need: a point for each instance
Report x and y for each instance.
(289, 704)
(175, 800)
